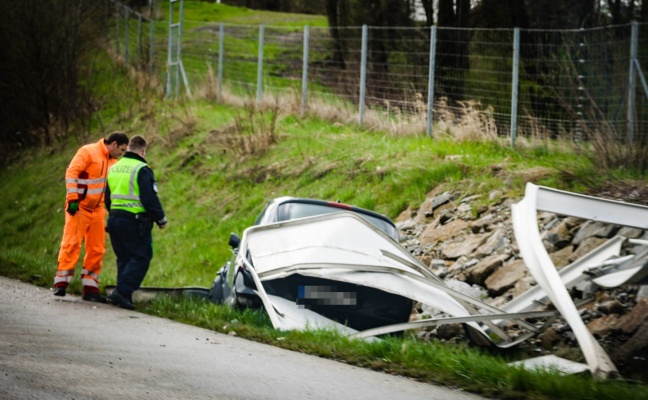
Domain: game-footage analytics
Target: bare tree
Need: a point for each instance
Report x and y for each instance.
(335, 11)
(453, 64)
(45, 44)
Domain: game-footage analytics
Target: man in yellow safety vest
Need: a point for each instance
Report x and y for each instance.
(134, 206)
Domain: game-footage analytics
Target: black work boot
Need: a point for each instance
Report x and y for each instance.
(121, 300)
(91, 293)
(95, 297)
(59, 291)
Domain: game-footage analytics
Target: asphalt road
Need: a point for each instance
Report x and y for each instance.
(53, 348)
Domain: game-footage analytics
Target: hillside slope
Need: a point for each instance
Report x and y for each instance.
(218, 166)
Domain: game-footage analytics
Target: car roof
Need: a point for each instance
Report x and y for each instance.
(290, 199)
(273, 205)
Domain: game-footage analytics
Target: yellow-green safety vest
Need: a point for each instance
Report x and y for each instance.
(124, 188)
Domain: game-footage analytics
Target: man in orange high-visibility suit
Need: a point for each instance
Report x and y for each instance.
(85, 180)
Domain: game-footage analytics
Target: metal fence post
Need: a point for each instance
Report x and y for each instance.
(170, 62)
(363, 73)
(430, 110)
(176, 64)
(632, 80)
(580, 99)
(221, 48)
(514, 89)
(642, 78)
(181, 69)
(260, 66)
(305, 70)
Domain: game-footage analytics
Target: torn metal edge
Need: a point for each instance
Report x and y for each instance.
(537, 259)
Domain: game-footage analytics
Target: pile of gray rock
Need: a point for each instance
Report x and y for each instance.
(469, 242)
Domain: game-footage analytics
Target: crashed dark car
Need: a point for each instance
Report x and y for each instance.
(356, 306)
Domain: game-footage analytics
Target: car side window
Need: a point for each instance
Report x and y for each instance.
(261, 215)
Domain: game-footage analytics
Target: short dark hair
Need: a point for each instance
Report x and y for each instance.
(119, 137)
(137, 143)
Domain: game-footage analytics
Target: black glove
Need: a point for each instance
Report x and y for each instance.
(72, 207)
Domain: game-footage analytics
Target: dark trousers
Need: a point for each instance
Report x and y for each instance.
(133, 245)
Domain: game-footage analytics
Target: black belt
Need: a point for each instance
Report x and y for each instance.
(127, 214)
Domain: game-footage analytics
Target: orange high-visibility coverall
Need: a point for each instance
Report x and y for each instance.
(85, 180)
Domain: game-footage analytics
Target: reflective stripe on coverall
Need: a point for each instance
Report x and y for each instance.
(85, 180)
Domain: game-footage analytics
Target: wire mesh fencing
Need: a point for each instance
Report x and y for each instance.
(138, 40)
(495, 82)
(575, 81)
(570, 82)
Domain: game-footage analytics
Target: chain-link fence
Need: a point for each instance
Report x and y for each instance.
(138, 39)
(528, 83)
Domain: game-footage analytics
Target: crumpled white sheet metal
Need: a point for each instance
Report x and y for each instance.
(341, 238)
(624, 270)
(340, 246)
(552, 363)
(542, 268)
(570, 275)
(345, 247)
